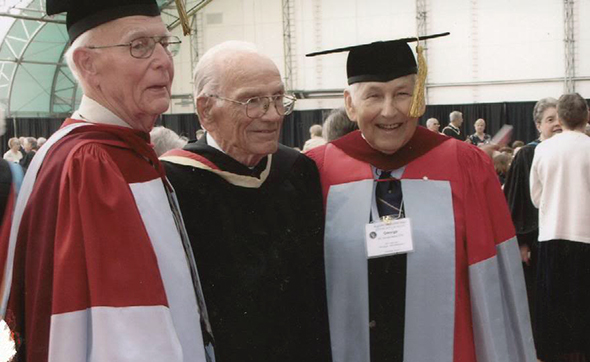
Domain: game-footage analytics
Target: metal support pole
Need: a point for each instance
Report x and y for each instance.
(24, 17)
(288, 42)
(569, 46)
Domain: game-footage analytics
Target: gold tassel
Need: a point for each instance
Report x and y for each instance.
(418, 99)
(186, 29)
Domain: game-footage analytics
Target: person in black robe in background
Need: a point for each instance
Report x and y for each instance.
(524, 214)
(453, 129)
(30, 151)
(253, 212)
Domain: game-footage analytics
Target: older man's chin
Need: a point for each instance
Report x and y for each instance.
(146, 121)
(159, 106)
(268, 148)
(157, 97)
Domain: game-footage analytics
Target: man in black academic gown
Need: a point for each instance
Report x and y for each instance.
(253, 212)
(454, 128)
(30, 148)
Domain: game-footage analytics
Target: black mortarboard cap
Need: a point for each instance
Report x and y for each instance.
(83, 15)
(380, 61)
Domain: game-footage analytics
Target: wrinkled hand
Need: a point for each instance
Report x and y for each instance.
(490, 149)
(525, 254)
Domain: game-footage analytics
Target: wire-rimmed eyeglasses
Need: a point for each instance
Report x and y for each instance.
(257, 107)
(143, 47)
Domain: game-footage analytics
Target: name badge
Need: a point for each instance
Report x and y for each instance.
(388, 238)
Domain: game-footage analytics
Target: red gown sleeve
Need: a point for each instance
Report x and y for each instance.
(501, 321)
(109, 302)
(103, 255)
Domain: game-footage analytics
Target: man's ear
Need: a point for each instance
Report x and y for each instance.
(349, 106)
(204, 105)
(85, 61)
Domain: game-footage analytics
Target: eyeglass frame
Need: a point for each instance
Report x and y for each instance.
(157, 40)
(288, 96)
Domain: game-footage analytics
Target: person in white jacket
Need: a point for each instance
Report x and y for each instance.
(560, 188)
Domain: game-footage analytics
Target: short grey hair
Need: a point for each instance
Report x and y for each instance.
(207, 71)
(165, 139)
(455, 115)
(315, 130)
(84, 40)
(541, 107)
(431, 121)
(337, 124)
(353, 89)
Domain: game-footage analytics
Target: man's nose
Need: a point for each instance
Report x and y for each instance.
(389, 108)
(162, 55)
(272, 113)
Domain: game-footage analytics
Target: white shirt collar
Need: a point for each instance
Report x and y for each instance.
(211, 142)
(94, 112)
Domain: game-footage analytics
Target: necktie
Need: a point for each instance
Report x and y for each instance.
(389, 196)
(387, 283)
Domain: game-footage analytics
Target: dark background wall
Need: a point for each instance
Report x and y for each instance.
(518, 114)
(296, 125)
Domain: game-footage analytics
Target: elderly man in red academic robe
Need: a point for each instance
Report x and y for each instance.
(98, 266)
(421, 259)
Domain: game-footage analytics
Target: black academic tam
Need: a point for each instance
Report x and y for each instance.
(83, 15)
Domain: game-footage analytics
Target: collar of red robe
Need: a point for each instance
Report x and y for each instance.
(138, 141)
(423, 140)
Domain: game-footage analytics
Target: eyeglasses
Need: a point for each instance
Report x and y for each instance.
(143, 47)
(257, 107)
